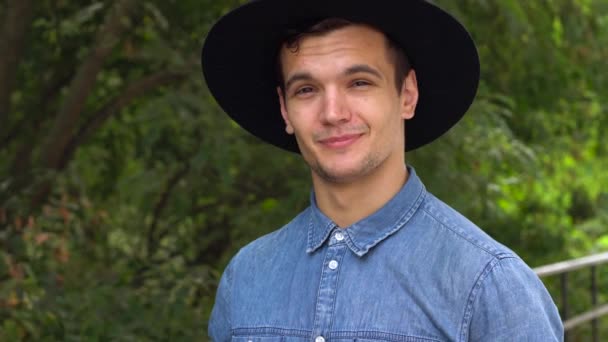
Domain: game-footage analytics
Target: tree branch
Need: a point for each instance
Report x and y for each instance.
(114, 106)
(39, 109)
(115, 24)
(25, 132)
(17, 19)
(152, 239)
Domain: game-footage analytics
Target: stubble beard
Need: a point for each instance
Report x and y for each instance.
(367, 165)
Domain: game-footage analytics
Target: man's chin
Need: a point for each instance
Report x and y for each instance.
(343, 168)
(341, 173)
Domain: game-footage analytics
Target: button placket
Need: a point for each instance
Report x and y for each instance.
(328, 290)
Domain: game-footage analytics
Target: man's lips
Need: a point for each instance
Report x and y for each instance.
(340, 141)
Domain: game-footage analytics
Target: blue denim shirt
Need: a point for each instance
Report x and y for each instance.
(415, 270)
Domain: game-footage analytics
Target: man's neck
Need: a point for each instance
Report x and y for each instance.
(347, 203)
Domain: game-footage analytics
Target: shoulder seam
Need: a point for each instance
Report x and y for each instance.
(468, 311)
(497, 255)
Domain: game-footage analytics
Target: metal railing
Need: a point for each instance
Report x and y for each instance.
(562, 269)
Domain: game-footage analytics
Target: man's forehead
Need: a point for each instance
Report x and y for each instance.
(354, 39)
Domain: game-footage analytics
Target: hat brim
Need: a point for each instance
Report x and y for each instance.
(239, 57)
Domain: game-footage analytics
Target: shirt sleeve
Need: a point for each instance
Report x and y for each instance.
(219, 323)
(510, 303)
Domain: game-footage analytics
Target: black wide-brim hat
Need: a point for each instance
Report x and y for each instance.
(240, 53)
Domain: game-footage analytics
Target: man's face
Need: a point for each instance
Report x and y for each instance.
(341, 102)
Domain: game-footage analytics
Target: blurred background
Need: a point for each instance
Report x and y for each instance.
(124, 189)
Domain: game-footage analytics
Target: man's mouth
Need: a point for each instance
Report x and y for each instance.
(340, 141)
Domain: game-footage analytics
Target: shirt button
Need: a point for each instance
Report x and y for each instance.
(320, 339)
(339, 236)
(333, 265)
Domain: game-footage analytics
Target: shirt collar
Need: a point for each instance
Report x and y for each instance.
(368, 232)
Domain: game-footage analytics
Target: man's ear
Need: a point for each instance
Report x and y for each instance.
(288, 126)
(409, 95)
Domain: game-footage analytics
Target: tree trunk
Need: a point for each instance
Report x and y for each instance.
(17, 19)
(115, 24)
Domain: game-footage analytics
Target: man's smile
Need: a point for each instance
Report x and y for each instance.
(340, 141)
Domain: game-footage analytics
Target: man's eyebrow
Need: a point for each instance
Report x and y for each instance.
(362, 68)
(299, 76)
(355, 69)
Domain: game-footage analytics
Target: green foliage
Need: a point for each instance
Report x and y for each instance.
(127, 237)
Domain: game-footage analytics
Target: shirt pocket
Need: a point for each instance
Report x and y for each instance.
(403, 339)
(408, 339)
(258, 339)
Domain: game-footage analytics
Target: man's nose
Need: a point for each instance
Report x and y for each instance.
(335, 109)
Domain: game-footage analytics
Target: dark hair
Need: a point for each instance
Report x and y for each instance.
(293, 37)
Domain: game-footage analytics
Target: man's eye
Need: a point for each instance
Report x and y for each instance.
(360, 83)
(304, 90)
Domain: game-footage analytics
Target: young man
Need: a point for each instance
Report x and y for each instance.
(375, 257)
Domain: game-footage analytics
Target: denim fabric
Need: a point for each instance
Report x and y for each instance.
(415, 270)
